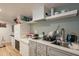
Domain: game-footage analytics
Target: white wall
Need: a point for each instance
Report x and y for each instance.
(25, 28)
(20, 30)
(5, 33)
(38, 11)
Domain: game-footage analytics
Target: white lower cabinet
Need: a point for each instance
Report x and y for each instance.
(41, 49)
(37, 49)
(13, 42)
(51, 51)
(24, 49)
(32, 48)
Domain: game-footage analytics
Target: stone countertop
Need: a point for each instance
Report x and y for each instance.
(56, 46)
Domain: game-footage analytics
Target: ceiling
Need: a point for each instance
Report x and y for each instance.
(12, 10)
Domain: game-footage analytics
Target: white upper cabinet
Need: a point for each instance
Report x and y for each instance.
(38, 12)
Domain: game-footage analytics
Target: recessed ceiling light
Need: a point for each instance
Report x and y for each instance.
(0, 10)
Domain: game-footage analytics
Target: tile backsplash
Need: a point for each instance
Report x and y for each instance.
(70, 26)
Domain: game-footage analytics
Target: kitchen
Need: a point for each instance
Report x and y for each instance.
(49, 29)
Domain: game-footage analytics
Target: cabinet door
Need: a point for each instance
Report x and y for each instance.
(41, 49)
(51, 51)
(32, 48)
(13, 42)
(24, 49)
